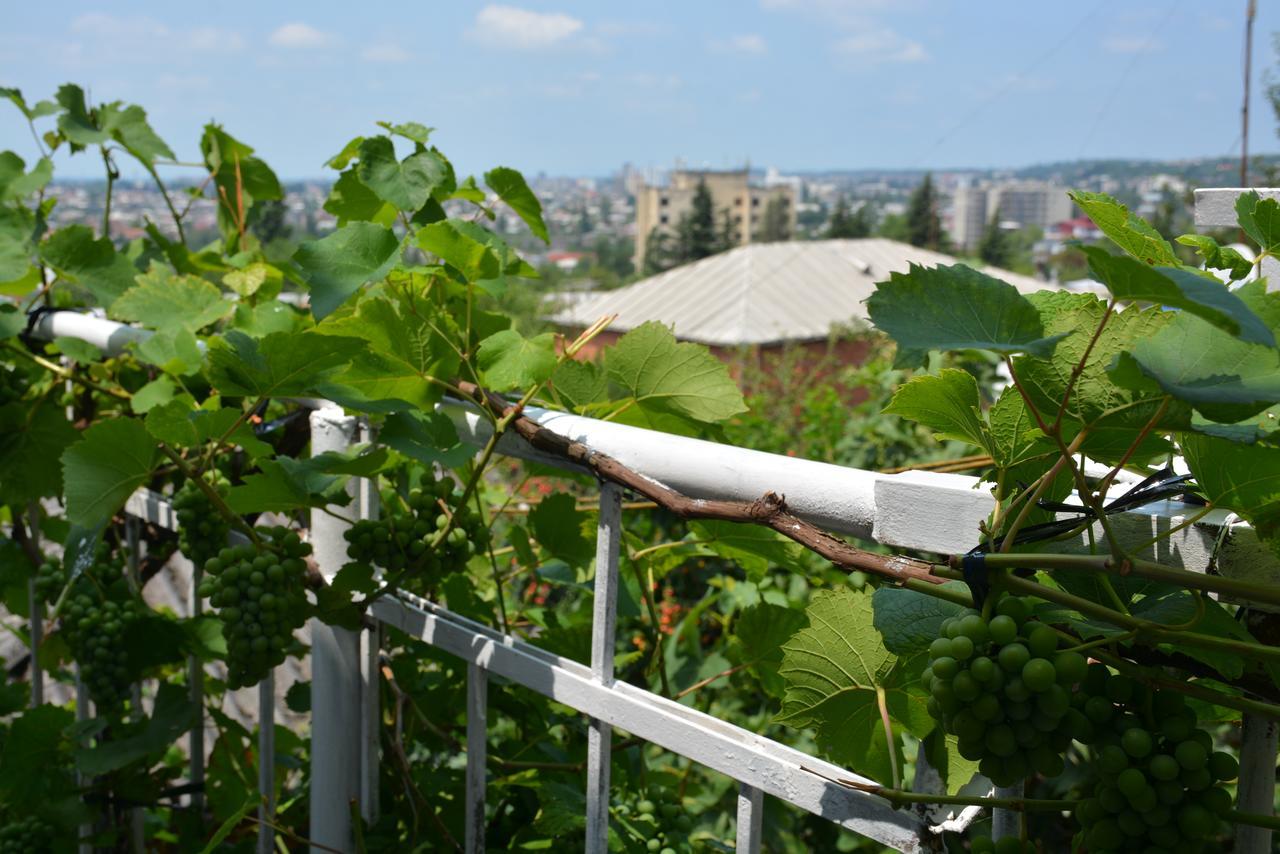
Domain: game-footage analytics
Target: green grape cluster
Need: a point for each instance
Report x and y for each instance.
(261, 600)
(13, 385)
(400, 540)
(94, 623)
(50, 579)
(658, 818)
(1007, 845)
(1156, 772)
(29, 835)
(202, 530)
(1005, 691)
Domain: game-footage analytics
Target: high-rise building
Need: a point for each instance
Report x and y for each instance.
(660, 205)
(1023, 202)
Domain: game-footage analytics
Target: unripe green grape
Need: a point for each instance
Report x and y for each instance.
(1003, 630)
(1013, 657)
(1038, 674)
(1223, 766)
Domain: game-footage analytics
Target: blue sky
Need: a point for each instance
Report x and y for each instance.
(579, 88)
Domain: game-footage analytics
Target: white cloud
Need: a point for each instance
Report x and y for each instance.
(135, 31)
(648, 80)
(513, 27)
(744, 43)
(874, 47)
(300, 36)
(388, 53)
(1131, 44)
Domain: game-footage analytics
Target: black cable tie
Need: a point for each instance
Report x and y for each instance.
(974, 566)
(33, 317)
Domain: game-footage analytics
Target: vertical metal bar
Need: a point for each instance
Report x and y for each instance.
(133, 542)
(335, 670)
(1007, 822)
(36, 611)
(195, 687)
(367, 500)
(1256, 788)
(82, 714)
(477, 748)
(603, 643)
(267, 762)
(750, 819)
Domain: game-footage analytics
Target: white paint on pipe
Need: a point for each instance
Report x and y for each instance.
(335, 667)
(477, 752)
(267, 762)
(1256, 788)
(603, 643)
(750, 819)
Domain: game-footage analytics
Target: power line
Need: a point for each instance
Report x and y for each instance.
(1035, 63)
(1124, 75)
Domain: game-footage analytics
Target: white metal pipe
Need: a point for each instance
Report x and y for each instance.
(133, 540)
(108, 336)
(83, 713)
(604, 624)
(267, 762)
(335, 664)
(1255, 791)
(1007, 822)
(750, 819)
(477, 751)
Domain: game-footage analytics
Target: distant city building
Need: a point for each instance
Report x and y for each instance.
(660, 206)
(1020, 203)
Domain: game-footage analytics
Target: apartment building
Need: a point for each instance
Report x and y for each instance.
(1024, 202)
(661, 205)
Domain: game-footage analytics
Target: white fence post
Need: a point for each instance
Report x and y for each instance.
(133, 541)
(335, 669)
(195, 689)
(83, 714)
(477, 752)
(750, 819)
(1255, 791)
(367, 503)
(604, 622)
(1007, 822)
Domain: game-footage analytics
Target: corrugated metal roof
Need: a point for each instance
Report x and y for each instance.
(766, 292)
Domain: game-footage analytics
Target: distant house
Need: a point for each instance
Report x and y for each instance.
(764, 296)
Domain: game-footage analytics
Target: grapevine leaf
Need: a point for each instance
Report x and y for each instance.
(957, 308)
(512, 189)
(407, 184)
(752, 547)
(16, 182)
(176, 423)
(1015, 437)
(1225, 378)
(943, 751)
(409, 130)
(128, 126)
(33, 752)
(239, 180)
(346, 155)
(579, 384)
(1218, 257)
(337, 265)
(909, 621)
(281, 364)
(1262, 427)
(267, 317)
(155, 393)
(1095, 393)
(406, 357)
(509, 361)
(351, 200)
(450, 242)
(428, 437)
(12, 321)
(77, 350)
(1205, 297)
(285, 483)
(948, 404)
(80, 258)
(173, 714)
(761, 630)
(1242, 478)
(669, 377)
(175, 351)
(557, 526)
(833, 669)
(164, 300)
(1260, 219)
(76, 124)
(29, 439)
(1127, 231)
(111, 460)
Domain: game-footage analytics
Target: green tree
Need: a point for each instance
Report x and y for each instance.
(924, 226)
(696, 235)
(660, 252)
(845, 223)
(268, 221)
(995, 247)
(775, 224)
